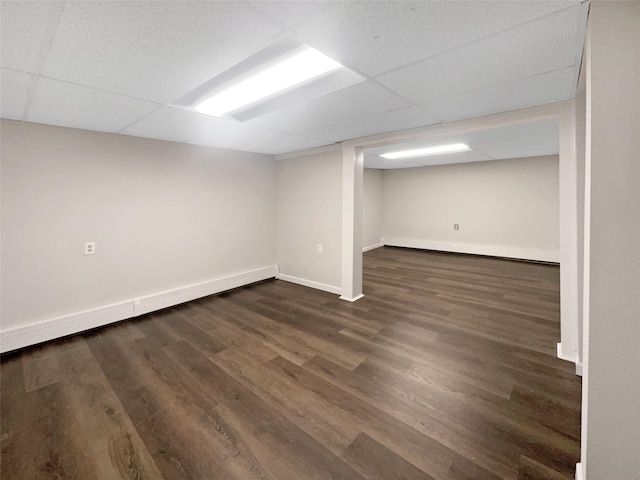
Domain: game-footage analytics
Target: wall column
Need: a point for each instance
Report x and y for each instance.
(568, 346)
(352, 172)
(611, 334)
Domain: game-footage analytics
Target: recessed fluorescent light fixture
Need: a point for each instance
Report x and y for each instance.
(293, 70)
(281, 74)
(425, 152)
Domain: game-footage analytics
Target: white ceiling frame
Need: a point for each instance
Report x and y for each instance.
(550, 111)
(563, 112)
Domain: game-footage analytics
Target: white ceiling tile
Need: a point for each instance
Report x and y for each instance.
(286, 144)
(521, 151)
(168, 123)
(225, 133)
(358, 101)
(289, 12)
(526, 140)
(26, 29)
(401, 119)
(153, 50)
(68, 105)
(15, 91)
(465, 157)
(375, 37)
(547, 44)
(526, 92)
(182, 125)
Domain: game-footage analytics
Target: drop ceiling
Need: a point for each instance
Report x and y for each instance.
(118, 66)
(533, 139)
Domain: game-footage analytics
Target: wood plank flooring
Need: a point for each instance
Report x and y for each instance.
(446, 370)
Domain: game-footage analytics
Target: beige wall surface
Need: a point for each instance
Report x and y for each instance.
(581, 118)
(309, 213)
(162, 214)
(372, 207)
(611, 386)
(503, 207)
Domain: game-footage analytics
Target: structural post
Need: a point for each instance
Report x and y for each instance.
(569, 323)
(611, 334)
(352, 173)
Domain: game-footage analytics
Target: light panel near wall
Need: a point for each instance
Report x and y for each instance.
(427, 151)
(281, 74)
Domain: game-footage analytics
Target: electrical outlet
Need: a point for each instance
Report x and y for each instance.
(319, 248)
(456, 226)
(89, 248)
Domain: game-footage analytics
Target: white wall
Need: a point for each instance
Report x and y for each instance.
(162, 214)
(503, 207)
(580, 116)
(372, 208)
(309, 212)
(611, 384)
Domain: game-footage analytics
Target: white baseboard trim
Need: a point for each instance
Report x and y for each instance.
(562, 355)
(168, 298)
(45, 330)
(309, 283)
(52, 328)
(357, 297)
(372, 247)
(579, 472)
(537, 254)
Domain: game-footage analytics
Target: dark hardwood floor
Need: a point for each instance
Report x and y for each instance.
(445, 370)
